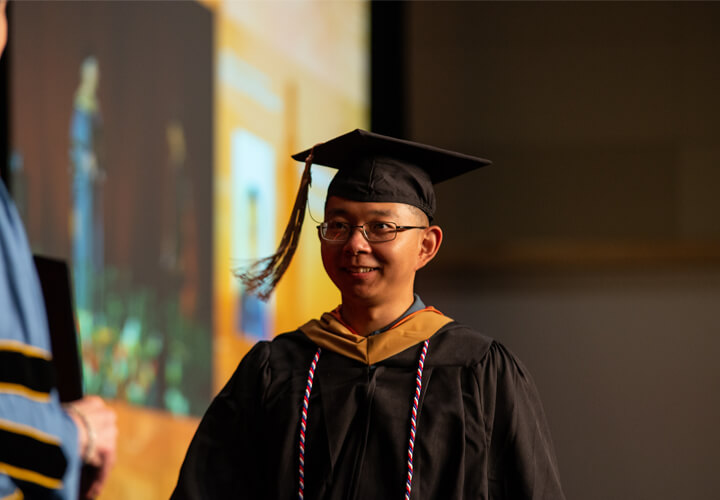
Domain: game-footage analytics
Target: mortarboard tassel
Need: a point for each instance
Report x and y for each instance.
(262, 276)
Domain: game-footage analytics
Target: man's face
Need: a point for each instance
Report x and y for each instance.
(373, 272)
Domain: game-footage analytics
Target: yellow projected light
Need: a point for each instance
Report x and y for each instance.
(278, 90)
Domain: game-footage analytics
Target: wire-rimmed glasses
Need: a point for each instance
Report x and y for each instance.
(374, 232)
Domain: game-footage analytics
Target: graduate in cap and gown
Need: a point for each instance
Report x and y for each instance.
(383, 397)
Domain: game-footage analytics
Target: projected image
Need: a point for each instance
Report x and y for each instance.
(88, 177)
(140, 343)
(116, 173)
(150, 149)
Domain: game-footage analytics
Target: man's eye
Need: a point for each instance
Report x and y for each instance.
(336, 225)
(381, 227)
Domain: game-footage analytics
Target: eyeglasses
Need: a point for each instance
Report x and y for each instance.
(374, 232)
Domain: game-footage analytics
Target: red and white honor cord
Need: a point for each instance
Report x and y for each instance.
(413, 417)
(303, 422)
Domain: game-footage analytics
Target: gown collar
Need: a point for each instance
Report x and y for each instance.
(419, 323)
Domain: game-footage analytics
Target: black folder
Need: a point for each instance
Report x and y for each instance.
(56, 288)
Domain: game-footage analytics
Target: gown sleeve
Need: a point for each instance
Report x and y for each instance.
(522, 462)
(220, 462)
(38, 441)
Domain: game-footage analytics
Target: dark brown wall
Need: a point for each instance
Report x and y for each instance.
(591, 246)
(602, 118)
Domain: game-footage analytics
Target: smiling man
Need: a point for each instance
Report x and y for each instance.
(372, 260)
(384, 397)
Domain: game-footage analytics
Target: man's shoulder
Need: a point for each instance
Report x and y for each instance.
(456, 331)
(459, 344)
(284, 348)
(293, 338)
(283, 340)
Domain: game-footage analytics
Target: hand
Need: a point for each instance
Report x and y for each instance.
(97, 437)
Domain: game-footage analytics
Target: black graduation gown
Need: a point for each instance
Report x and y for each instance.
(481, 430)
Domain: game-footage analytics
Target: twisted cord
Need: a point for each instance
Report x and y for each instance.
(413, 420)
(303, 423)
(413, 417)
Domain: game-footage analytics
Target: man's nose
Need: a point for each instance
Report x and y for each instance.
(356, 240)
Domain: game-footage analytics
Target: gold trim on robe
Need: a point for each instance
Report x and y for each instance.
(330, 332)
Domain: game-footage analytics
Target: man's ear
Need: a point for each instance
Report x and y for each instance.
(429, 245)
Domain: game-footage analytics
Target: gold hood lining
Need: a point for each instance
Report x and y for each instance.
(330, 332)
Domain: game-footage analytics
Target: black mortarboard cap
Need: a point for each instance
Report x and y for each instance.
(371, 168)
(377, 168)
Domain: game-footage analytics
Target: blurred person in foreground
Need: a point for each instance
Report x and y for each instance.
(383, 397)
(43, 444)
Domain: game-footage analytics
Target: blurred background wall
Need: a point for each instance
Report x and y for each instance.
(591, 246)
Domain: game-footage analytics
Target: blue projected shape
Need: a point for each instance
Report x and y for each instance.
(253, 222)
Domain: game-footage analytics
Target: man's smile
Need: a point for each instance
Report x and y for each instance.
(360, 269)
